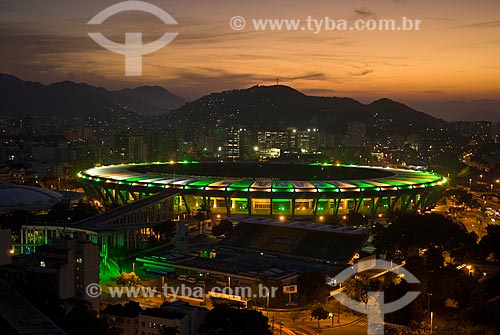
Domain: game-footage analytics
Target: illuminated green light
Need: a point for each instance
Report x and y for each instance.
(200, 184)
(241, 185)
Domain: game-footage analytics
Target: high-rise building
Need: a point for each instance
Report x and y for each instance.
(307, 141)
(76, 265)
(56, 272)
(232, 144)
(356, 134)
(137, 149)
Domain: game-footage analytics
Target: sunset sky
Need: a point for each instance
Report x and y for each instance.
(455, 55)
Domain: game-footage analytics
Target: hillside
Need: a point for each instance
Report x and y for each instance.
(279, 106)
(68, 99)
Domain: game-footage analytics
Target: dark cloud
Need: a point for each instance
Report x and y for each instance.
(312, 76)
(430, 92)
(485, 24)
(362, 73)
(318, 92)
(364, 12)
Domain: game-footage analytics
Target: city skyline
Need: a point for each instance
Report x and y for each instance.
(452, 57)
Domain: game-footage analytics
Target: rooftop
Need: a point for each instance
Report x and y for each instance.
(262, 177)
(18, 197)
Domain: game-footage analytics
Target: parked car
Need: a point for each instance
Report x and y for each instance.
(182, 278)
(191, 280)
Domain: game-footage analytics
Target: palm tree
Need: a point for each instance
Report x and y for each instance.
(203, 213)
(164, 330)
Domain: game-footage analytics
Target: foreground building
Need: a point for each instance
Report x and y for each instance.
(58, 271)
(131, 319)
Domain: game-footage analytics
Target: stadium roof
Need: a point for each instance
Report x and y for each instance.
(18, 197)
(262, 177)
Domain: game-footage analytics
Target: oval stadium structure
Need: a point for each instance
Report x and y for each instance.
(286, 191)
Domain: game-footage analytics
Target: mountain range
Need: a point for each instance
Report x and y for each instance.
(68, 99)
(259, 106)
(475, 110)
(282, 106)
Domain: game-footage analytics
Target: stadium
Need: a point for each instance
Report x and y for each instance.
(283, 191)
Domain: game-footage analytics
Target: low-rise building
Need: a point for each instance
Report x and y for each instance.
(131, 319)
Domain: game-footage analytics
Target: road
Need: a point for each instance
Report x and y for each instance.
(356, 328)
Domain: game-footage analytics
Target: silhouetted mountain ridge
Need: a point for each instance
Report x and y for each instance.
(68, 99)
(279, 106)
(475, 110)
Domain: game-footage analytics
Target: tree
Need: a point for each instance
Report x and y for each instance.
(312, 286)
(356, 219)
(81, 320)
(434, 258)
(357, 288)
(164, 230)
(203, 213)
(82, 210)
(200, 217)
(127, 279)
(319, 313)
(490, 243)
(223, 228)
(410, 233)
(463, 328)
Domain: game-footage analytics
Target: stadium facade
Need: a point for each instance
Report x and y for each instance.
(284, 191)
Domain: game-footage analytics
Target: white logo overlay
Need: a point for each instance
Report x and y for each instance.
(375, 309)
(133, 49)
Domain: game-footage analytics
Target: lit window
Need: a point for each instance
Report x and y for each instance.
(79, 260)
(42, 264)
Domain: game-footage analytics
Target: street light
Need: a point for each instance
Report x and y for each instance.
(429, 309)
(469, 267)
(429, 302)
(470, 183)
(432, 316)
(267, 308)
(491, 188)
